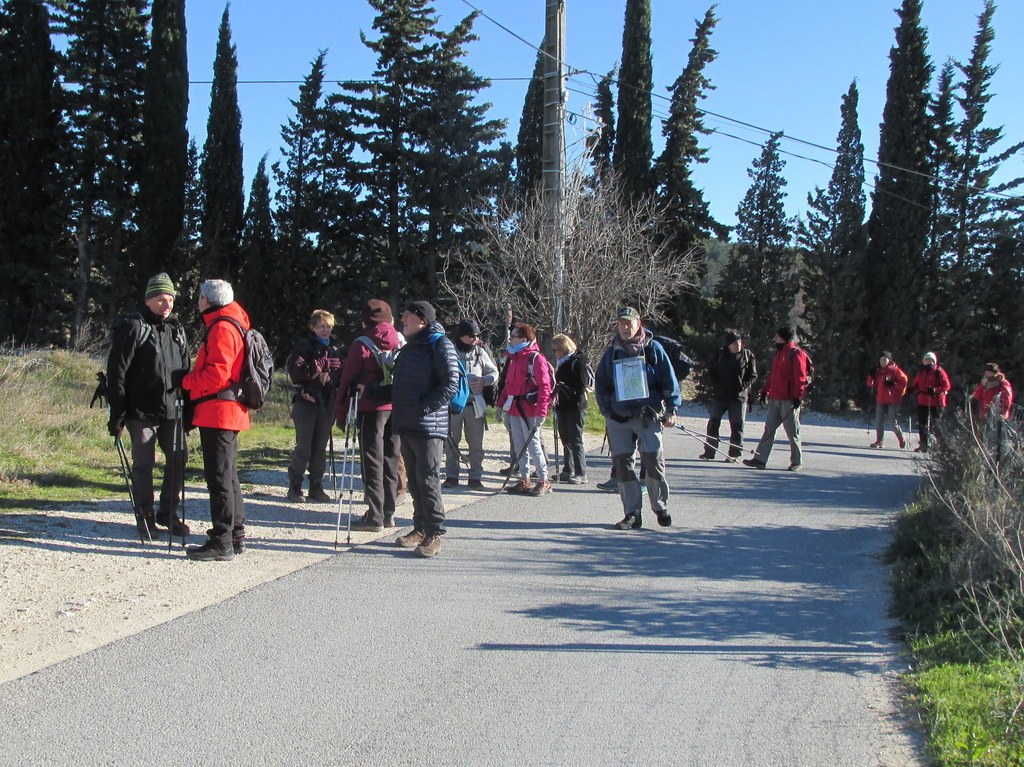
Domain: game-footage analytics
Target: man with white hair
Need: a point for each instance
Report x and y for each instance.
(220, 417)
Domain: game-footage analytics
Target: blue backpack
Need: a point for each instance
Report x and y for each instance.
(462, 394)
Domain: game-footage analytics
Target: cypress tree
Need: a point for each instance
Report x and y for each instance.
(165, 140)
(759, 282)
(601, 142)
(895, 264)
(32, 145)
(634, 149)
(530, 140)
(220, 171)
(833, 237)
(260, 277)
(687, 217)
(104, 58)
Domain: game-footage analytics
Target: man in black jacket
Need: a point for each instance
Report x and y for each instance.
(146, 348)
(732, 373)
(423, 382)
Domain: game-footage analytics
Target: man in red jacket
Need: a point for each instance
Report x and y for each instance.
(220, 417)
(783, 393)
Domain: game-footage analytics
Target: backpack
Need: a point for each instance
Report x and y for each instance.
(810, 366)
(257, 370)
(681, 363)
(385, 360)
(462, 394)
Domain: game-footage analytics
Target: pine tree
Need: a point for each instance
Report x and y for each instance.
(601, 141)
(220, 171)
(161, 201)
(759, 284)
(530, 141)
(32, 145)
(260, 279)
(834, 238)
(898, 226)
(688, 219)
(634, 149)
(104, 60)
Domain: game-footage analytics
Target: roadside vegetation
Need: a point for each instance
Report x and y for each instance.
(958, 579)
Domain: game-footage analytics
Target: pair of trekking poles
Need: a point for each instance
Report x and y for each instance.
(348, 462)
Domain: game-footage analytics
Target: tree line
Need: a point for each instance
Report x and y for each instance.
(401, 185)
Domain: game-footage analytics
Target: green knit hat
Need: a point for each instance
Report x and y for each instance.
(161, 283)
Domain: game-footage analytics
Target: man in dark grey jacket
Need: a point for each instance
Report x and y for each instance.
(424, 380)
(732, 373)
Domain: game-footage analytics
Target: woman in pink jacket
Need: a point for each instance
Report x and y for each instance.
(525, 398)
(932, 385)
(994, 390)
(889, 382)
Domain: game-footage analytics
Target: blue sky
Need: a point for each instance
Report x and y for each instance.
(782, 65)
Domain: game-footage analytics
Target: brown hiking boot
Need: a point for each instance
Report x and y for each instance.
(430, 545)
(410, 540)
(522, 487)
(317, 495)
(542, 487)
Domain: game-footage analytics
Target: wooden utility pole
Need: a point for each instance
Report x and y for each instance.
(553, 153)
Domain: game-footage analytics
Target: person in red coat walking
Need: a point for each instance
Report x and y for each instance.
(932, 386)
(220, 417)
(993, 393)
(889, 383)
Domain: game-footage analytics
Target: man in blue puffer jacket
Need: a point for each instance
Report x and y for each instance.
(424, 380)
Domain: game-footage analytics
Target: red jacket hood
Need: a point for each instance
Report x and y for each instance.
(232, 310)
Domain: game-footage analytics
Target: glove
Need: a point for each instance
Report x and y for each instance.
(333, 363)
(930, 390)
(797, 402)
(115, 426)
(762, 398)
(890, 381)
(177, 376)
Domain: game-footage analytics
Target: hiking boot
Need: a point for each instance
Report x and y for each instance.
(295, 493)
(317, 495)
(238, 545)
(565, 477)
(475, 484)
(876, 443)
(629, 522)
(451, 482)
(706, 456)
(578, 479)
(209, 552)
(429, 546)
(149, 521)
(365, 525)
(410, 540)
(612, 485)
(664, 518)
(389, 520)
(795, 467)
(177, 527)
(753, 463)
(522, 487)
(732, 459)
(541, 488)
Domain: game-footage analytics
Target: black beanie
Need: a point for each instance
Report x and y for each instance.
(467, 327)
(423, 310)
(786, 333)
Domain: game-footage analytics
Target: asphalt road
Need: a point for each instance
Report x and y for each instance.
(752, 632)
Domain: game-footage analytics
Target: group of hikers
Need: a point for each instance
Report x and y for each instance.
(411, 391)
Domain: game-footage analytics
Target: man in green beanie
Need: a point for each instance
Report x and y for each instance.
(146, 348)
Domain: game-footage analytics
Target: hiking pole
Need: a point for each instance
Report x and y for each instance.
(140, 522)
(178, 468)
(334, 475)
(352, 469)
(703, 441)
(522, 452)
(344, 469)
(554, 423)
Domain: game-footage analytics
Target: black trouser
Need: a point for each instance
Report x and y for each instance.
(422, 456)
(220, 467)
(569, 422)
(717, 409)
(379, 450)
(926, 417)
(145, 437)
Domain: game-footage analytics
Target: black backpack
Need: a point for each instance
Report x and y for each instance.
(681, 362)
(257, 370)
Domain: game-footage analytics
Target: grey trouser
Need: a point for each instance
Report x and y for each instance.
(622, 439)
(887, 415)
(422, 456)
(528, 447)
(145, 437)
(379, 451)
(313, 426)
(780, 413)
(474, 428)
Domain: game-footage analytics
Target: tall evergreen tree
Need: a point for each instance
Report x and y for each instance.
(601, 141)
(634, 150)
(530, 142)
(260, 280)
(760, 280)
(32, 145)
(221, 168)
(833, 237)
(187, 265)
(161, 201)
(687, 217)
(898, 226)
(104, 59)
